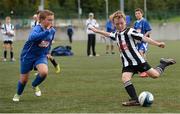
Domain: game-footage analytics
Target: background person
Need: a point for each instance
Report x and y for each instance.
(91, 42)
(142, 26)
(8, 33)
(70, 33)
(109, 42)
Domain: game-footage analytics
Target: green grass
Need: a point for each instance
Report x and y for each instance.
(89, 85)
(175, 19)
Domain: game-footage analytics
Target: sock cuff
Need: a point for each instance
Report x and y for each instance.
(40, 77)
(21, 83)
(159, 69)
(127, 83)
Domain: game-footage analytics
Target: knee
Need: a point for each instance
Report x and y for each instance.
(23, 80)
(43, 73)
(125, 79)
(155, 75)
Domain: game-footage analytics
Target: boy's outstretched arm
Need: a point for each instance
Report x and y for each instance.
(154, 42)
(107, 34)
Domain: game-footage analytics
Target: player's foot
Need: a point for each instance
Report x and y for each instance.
(90, 55)
(37, 91)
(4, 59)
(58, 69)
(13, 59)
(97, 55)
(16, 98)
(168, 61)
(35, 74)
(131, 103)
(143, 75)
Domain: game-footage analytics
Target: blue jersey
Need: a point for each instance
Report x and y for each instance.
(38, 43)
(110, 27)
(143, 25)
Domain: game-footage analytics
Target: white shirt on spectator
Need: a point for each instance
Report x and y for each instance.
(7, 28)
(91, 23)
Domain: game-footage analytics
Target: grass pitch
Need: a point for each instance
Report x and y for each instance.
(91, 85)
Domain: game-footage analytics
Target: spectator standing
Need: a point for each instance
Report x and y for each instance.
(70, 33)
(91, 42)
(8, 33)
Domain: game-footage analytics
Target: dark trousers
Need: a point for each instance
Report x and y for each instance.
(91, 44)
(70, 38)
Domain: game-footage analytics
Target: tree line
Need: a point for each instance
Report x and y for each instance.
(69, 8)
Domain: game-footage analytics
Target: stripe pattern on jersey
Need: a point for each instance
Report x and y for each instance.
(126, 41)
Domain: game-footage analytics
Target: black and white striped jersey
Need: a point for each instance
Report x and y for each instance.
(126, 42)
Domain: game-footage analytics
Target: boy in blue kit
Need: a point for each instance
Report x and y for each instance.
(34, 53)
(49, 56)
(110, 28)
(142, 26)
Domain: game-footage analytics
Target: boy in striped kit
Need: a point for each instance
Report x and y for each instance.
(91, 42)
(132, 60)
(8, 32)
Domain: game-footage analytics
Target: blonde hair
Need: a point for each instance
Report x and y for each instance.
(117, 14)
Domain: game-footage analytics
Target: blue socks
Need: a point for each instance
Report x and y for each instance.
(20, 88)
(38, 80)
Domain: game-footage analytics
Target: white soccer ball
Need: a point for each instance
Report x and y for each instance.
(146, 98)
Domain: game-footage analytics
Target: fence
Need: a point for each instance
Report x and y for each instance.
(160, 31)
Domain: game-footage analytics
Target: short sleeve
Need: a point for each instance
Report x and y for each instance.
(113, 35)
(147, 26)
(136, 35)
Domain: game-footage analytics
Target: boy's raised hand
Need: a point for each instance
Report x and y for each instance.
(50, 25)
(92, 28)
(161, 44)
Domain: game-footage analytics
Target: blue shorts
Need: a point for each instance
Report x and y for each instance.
(27, 65)
(143, 46)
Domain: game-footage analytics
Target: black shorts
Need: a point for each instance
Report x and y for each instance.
(138, 68)
(8, 42)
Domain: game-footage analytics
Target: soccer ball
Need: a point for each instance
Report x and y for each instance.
(146, 98)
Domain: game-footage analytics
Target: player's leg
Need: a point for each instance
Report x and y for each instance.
(112, 47)
(20, 86)
(42, 74)
(107, 45)
(5, 47)
(156, 72)
(142, 53)
(142, 48)
(129, 87)
(94, 45)
(89, 46)
(55, 64)
(107, 48)
(11, 51)
(26, 67)
(70, 38)
(41, 65)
